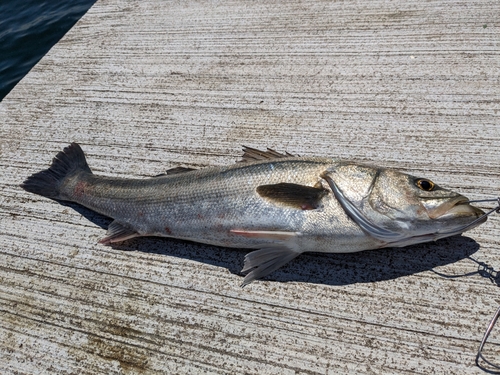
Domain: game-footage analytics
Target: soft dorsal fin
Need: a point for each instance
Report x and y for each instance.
(252, 154)
(178, 170)
(175, 170)
(293, 195)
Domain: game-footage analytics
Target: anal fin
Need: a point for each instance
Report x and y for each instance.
(118, 232)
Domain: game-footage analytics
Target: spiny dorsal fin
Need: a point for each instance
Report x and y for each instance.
(252, 154)
(293, 195)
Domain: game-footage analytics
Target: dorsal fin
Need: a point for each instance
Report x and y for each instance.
(175, 170)
(178, 170)
(252, 154)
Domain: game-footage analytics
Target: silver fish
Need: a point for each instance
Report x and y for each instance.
(280, 204)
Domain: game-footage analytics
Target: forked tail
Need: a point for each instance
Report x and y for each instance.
(69, 161)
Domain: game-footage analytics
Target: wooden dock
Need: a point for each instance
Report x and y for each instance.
(144, 86)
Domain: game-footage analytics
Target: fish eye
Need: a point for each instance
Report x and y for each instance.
(425, 185)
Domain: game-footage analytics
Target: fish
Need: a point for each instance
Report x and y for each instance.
(277, 204)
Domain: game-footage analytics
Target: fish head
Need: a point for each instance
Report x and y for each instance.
(421, 205)
(412, 209)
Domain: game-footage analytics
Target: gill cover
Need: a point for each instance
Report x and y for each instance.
(360, 181)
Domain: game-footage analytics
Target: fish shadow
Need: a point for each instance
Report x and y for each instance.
(92, 216)
(379, 265)
(318, 268)
(322, 268)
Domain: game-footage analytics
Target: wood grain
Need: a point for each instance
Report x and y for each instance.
(144, 86)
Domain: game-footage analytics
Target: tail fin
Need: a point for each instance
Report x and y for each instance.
(48, 181)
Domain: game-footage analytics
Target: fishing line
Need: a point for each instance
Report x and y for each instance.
(497, 313)
(496, 209)
(487, 200)
(483, 341)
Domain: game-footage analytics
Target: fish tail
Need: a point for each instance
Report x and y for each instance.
(48, 182)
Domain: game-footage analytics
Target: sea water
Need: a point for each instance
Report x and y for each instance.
(28, 29)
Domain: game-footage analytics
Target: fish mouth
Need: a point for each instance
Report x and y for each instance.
(458, 207)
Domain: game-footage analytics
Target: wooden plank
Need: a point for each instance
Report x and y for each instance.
(148, 85)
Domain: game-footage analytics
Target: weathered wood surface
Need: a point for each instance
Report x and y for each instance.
(148, 85)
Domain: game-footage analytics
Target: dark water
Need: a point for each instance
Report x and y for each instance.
(28, 29)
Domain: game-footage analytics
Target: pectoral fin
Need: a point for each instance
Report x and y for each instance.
(293, 195)
(262, 262)
(118, 232)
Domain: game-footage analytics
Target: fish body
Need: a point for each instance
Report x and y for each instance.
(280, 204)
